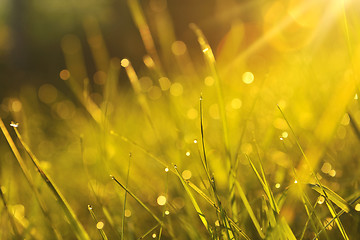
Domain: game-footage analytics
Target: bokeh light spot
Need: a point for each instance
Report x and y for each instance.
(125, 62)
(236, 103)
(186, 174)
(165, 83)
(64, 74)
(214, 111)
(100, 77)
(16, 106)
(176, 89)
(209, 81)
(192, 113)
(100, 225)
(326, 167)
(155, 93)
(47, 93)
(127, 213)
(178, 48)
(248, 77)
(161, 200)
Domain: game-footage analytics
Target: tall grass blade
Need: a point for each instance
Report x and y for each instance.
(265, 185)
(323, 192)
(210, 59)
(249, 210)
(101, 231)
(28, 177)
(193, 201)
(69, 213)
(125, 196)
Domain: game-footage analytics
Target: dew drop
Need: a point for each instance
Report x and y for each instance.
(166, 169)
(357, 207)
(321, 200)
(90, 207)
(154, 235)
(167, 212)
(13, 124)
(187, 153)
(195, 141)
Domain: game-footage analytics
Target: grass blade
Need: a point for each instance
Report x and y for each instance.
(323, 192)
(148, 232)
(138, 200)
(265, 185)
(11, 217)
(69, 213)
(193, 201)
(249, 210)
(125, 196)
(28, 177)
(335, 198)
(101, 231)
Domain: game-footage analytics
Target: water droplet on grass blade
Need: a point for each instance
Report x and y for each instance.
(357, 207)
(14, 124)
(321, 200)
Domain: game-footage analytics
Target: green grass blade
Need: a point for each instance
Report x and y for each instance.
(28, 177)
(265, 185)
(125, 196)
(323, 192)
(148, 232)
(193, 201)
(101, 231)
(69, 213)
(249, 210)
(338, 222)
(335, 198)
(286, 230)
(11, 217)
(210, 60)
(138, 200)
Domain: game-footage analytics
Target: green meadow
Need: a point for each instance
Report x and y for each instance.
(254, 137)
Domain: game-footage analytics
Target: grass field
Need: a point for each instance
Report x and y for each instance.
(257, 138)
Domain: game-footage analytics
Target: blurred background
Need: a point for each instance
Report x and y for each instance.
(31, 32)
